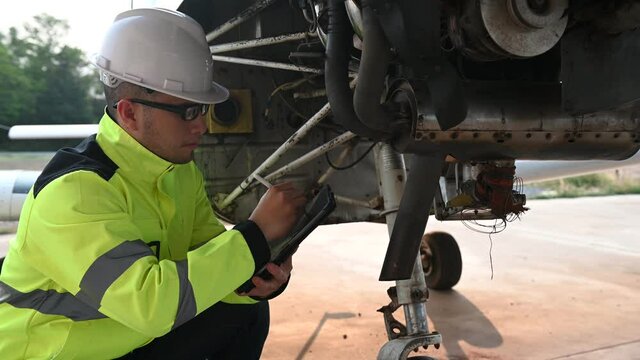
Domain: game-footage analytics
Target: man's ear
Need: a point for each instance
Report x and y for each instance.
(127, 115)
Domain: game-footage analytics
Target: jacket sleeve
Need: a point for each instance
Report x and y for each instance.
(81, 236)
(205, 224)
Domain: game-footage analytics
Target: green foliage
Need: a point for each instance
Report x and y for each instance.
(16, 96)
(43, 81)
(586, 185)
(589, 181)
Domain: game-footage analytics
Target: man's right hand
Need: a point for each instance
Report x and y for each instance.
(278, 210)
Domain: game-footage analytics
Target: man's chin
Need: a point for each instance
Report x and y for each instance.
(185, 160)
(182, 159)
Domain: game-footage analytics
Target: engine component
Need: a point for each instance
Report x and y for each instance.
(600, 71)
(491, 30)
(480, 191)
(525, 121)
(610, 17)
(339, 42)
(494, 187)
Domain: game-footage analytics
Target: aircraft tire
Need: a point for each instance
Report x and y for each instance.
(441, 260)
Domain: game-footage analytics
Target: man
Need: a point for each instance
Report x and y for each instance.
(117, 248)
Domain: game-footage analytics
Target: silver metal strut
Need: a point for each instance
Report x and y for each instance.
(412, 293)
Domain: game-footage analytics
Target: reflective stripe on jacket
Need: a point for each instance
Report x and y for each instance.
(115, 247)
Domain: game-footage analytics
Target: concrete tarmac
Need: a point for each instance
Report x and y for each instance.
(566, 285)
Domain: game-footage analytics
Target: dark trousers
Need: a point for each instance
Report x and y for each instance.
(224, 331)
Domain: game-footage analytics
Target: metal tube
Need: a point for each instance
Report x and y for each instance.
(355, 202)
(310, 94)
(247, 44)
(240, 18)
(292, 141)
(264, 63)
(311, 155)
(409, 291)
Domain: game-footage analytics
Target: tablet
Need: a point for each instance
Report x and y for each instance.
(315, 214)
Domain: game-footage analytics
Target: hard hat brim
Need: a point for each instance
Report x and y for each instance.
(216, 94)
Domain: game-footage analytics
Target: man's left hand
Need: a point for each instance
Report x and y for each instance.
(280, 274)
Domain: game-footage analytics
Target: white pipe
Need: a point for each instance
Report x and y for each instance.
(243, 16)
(292, 141)
(248, 44)
(70, 131)
(268, 64)
(308, 157)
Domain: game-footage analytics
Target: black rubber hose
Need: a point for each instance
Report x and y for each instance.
(336, 66)
(376, 56)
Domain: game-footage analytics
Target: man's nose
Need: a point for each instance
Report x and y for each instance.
(199, 125)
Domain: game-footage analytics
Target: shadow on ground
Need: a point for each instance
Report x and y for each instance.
(325, 317)
(459, 320)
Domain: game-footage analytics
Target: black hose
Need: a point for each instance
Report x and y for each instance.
(376, 56)
(339, 42)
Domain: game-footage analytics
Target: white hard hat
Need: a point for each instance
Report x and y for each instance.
(162, 50)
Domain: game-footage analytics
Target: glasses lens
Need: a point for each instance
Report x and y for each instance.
(191, 112)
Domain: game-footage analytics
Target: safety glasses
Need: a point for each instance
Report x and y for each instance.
(188, 112)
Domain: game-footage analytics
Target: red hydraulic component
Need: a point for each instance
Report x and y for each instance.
(494, 187)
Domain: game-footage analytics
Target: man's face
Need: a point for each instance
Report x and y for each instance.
(165, 133)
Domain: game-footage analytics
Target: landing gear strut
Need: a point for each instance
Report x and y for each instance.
(411, 294)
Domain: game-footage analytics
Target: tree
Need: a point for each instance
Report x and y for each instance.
(57, 76)
(43, 81)
(16, 98)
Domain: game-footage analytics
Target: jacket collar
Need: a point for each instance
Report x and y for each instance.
(131, 157)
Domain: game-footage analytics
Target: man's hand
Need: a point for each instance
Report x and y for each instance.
(278, 210)
(264, 288)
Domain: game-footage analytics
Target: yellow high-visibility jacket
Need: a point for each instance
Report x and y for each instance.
(115, 247)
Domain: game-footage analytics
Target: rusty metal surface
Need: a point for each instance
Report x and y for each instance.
(525, 122)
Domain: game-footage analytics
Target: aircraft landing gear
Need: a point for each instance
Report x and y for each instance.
(441, 260)
(400, 344)
(411, 294)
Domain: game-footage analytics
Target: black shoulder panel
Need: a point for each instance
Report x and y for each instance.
(86, 156)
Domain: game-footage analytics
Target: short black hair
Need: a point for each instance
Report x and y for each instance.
(122, 91)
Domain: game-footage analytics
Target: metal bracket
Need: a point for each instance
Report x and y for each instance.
(395, 328)
(400, 348)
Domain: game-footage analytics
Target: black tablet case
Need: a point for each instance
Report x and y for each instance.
(315, 214)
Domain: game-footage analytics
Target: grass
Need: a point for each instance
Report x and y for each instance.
(586, 185)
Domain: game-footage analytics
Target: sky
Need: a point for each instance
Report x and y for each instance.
(88, 19)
